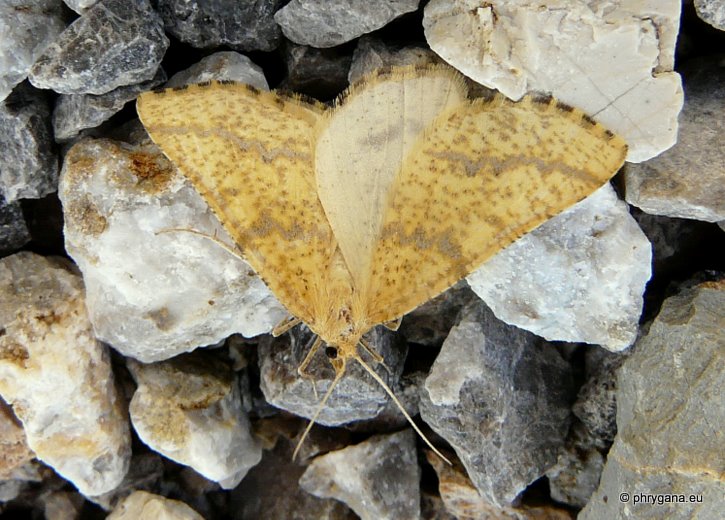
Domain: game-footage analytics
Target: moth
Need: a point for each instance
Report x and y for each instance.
(355, 214)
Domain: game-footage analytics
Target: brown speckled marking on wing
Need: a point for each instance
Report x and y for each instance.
(483, 174)
(249, 154)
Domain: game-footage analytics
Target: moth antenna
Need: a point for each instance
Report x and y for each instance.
(375, 355)
(302, 369)
(285, 325)
(234, 251)
(400, 407)
(339, 372)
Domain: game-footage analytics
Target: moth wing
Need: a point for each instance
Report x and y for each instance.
(361, 145)
(250, 155)
(483, 174)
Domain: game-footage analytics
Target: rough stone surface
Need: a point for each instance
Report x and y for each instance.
(712, 11)
(670, 416)
(189, 409)
(14, 450)
(320, 73)
(613, 59)
(76, 112)
(243, 25)
(463, 502)
(28, 164)
(57, 376)
(14, 231)
(144, 473)
(114, 43)
(322, 24)
(501, 398)
(379, 478)
(27, 28)
(357, 395)
(372, 53)
(271, 491)
(226, 65)
(688, 180)
(146, 506)
(62, 505)
(578, 277)
(80, 6)
(153, 295)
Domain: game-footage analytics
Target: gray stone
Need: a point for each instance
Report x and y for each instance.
(357, 395)
(688, 180)
(372, 53)
(28, 164)
(578, 277)
(670, 415)
(320, 73)
(114, 43)
(14, 232)
(379, 478)
(80, 6)
(189, 409)
(501, 398)
(154, 294)
(270, 491)
(322, 24)
(27, 27)
(712, 11)
(243, 25)
(219, 66)
(76, 112)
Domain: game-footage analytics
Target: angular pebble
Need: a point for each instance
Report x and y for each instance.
(227, 65)
(56, 375)
(147, 506)
(670, 415)
(578, 277)
(154, 295)
(76, 112)
(612, 59)
(114, 43)
(357, 395)
(189, 409)
(244, 26)
(27, 28)
(28, 164)
(80, 6)
(14, 232)
(712, 11)
(14, 450)
(501, 398)
(322, 24)
(379, 478)
(688, 180)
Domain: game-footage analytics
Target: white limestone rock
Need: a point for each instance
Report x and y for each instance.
(322, 24)
(611, 58)
(579, 277)
(26, 29)
(146, 506)
(154, 295)
(712, 12)
(227, 65)
(379, 478)
(56, 375)
(189, 409)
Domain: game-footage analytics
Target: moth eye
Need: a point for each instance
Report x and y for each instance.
(331, 352)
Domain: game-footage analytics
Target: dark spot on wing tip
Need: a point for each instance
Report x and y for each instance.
(542, 98)
(227, 82)
(609, 134)
(254, 90)
(159, 90)
(179, 88)
(587, 119)
(204, 84)
(564, 107)
(488, 95)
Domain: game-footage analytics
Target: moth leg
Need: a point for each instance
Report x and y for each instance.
(375, 355)
(285, 325)
(232, 250)
(302, 369)
(393, 325)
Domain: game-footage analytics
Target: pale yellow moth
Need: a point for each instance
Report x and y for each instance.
(356, 214)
